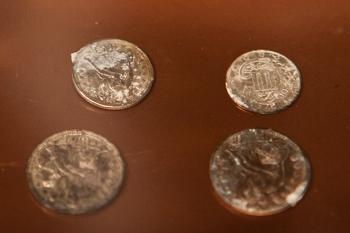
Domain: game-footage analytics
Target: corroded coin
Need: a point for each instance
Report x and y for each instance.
(263, 81)
(75, 172)
(259, 172)
(112, 74)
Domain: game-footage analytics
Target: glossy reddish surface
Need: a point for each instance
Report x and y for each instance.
(168, 138)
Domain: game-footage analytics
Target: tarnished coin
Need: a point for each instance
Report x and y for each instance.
(112, 74)
(263, 81)
(259, 172)
(75, 172)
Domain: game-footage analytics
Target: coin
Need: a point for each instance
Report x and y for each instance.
(75, 172)
(112, 74)
(263, 81)
(259, 172)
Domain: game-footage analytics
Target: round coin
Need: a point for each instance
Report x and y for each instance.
(263, 81)
(112, 74)
(259, 172)
(75, 172)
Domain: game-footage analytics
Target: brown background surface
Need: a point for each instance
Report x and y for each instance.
(167, 139)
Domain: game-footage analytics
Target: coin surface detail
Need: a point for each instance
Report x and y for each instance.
(259, 172)
(75, 172)
(112, 74)
(263, 81)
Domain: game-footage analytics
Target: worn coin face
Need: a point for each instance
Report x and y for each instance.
(263, 81)
(259, 172)
(112, 74)
(75, 172)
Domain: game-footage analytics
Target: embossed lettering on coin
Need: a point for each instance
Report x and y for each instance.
(75, 172)
(263, 81)
(259, 172)
(112, 74)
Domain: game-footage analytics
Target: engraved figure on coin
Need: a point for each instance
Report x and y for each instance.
(119, 75)
(116, 74)
(263, 169)
(73, 165)
(263, 81)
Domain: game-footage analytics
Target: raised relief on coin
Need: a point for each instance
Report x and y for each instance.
(263, 81)
(75, 172)
(259, 172)
(112, 74)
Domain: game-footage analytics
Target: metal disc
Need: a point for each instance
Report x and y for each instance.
(75, 172)
(259, 172)
(263, 81)
(112, 74)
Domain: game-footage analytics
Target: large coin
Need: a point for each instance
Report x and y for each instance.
(263, 81)
(75, 172)
(259, 172)
(112, 74)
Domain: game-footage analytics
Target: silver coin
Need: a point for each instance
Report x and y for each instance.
(263, 81)
(75, 172)
(259, 172)
(112, 74)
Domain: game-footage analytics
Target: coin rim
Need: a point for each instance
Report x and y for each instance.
(43, 202)
(109, 107)
(286, 206)
(238, 101)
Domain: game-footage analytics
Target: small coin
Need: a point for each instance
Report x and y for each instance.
(259, 172)
(263, 81)
(112, 74)
(75, 172)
